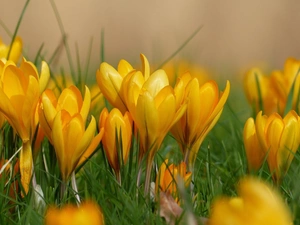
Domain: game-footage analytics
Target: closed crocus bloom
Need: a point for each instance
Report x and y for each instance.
(116, 138)
(170, 175)
(283, 81)
(260, 92)
(110, 81)
(70, 100)
(87, 213)
(204, 108)
(279, 137)
(71, 140)
(15, 52)
(254, 151)
(257, 204)
(20, 91)
(152, 104)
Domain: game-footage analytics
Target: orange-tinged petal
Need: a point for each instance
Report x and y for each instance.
(255, 154)
(260, 124)
(179, 89)
(222, 100)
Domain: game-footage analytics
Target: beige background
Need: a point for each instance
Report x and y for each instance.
(236, 34)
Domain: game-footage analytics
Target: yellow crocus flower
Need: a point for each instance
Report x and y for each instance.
(204, 107)
(254, 151)
(15, 52)
(277, 137)
(70, 100)
(110, 81)
(257, 204)
(152, 103)
(260, 92)
(114, 123)
(20, 91)
(170, 175)
(63, 121)
(282, 82)
(88, 213)
(70, 140)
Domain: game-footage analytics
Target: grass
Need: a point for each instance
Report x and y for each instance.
(220, 164)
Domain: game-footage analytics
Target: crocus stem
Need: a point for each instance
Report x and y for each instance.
(148, 177)
(74, 187)
(26, 163)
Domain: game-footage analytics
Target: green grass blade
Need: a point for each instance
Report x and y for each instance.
(17, 28)
(181, 46)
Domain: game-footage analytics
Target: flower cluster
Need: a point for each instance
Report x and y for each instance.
(124, 119)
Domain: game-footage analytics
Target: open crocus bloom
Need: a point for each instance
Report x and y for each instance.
(19, 93)
(204, 107)
(70, 100)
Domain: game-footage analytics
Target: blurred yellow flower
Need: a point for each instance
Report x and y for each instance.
(204, 108)
(117, 137)
(59, 82)
(20, 91)
(97, 100)
(15, 52)
(169, 176)
(257, 204)
(282, 82)
(176, 68)
(262, 97)
(254, 151)
(277, 137)
(63, 121)
(88, 213)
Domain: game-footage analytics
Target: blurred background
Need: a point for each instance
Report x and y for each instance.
(235, 36)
